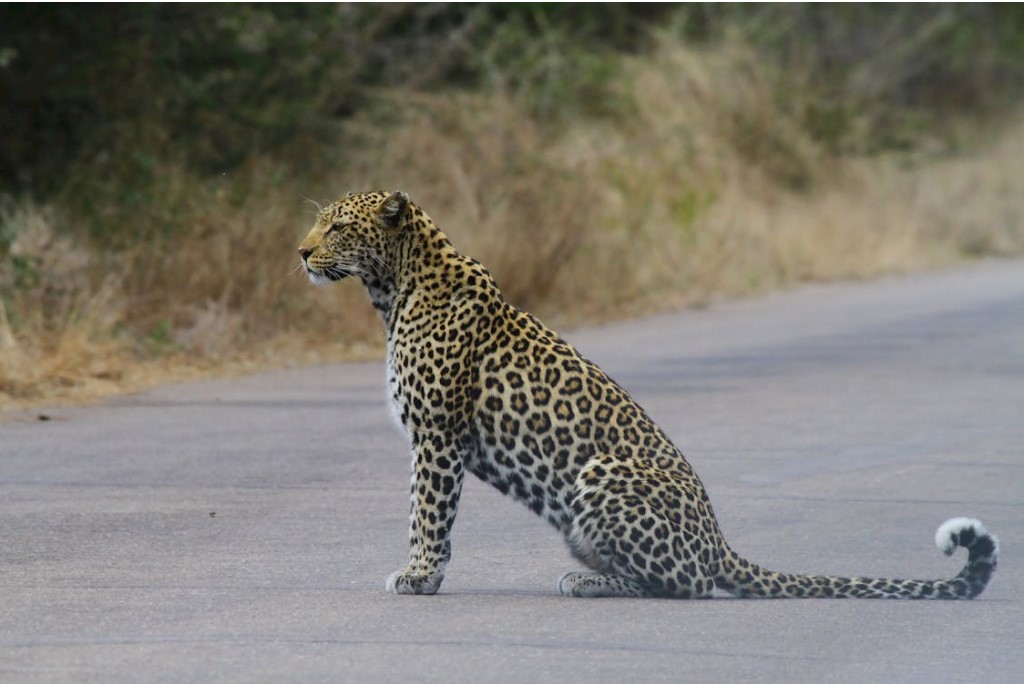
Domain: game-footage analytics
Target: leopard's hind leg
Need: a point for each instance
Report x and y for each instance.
(639, 529)
(596, 585)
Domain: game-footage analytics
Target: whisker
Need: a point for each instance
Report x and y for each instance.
(380, 262)
(316, 204)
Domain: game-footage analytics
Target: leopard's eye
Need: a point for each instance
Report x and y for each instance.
(335, 227)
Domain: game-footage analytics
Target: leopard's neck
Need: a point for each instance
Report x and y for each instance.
(419, 263)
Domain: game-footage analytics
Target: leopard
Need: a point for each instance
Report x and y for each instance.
(478, 385)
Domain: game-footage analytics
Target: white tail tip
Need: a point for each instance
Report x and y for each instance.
(948, 533)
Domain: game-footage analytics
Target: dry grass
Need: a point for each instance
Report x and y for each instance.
(55, 330)
(703, 186)
(222, 293)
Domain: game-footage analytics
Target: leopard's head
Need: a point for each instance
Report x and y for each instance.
(351, 236)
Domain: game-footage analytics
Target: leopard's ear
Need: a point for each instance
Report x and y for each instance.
(393, 209)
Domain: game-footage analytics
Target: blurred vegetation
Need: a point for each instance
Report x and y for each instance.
(146, 148)
(95, 97)
(110, 91)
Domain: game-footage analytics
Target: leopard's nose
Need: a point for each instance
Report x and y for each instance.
(304, 253)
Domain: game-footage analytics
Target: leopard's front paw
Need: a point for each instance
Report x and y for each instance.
(412, 580)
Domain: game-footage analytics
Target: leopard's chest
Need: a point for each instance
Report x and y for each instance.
(423, 373)
(403, 349)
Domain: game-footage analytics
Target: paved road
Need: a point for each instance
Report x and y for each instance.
(241, 530)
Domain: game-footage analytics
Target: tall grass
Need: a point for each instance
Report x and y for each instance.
(58, 313)
(705, 184)
(695, 180)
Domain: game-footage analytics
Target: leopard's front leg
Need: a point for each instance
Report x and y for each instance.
(437, 473)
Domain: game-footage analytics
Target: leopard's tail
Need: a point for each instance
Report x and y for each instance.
(741, 577)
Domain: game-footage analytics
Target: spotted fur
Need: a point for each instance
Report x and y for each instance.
(480, 386)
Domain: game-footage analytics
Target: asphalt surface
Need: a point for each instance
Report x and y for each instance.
(241, 530)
